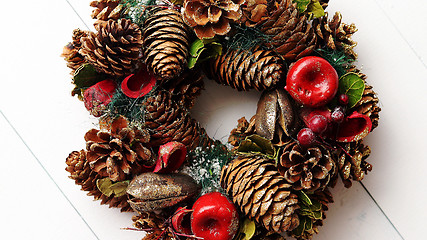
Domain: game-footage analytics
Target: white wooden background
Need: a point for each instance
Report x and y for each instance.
(40, 123)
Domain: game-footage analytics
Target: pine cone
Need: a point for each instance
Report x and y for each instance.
(71, 53)
(354, 167)
(290, 34)
(166, 43)
(120, 153)
(186, 88)
(368, 105)
(336, 35)
(156, 224)
(80, 171)
(243, 130)
(244, 70)
(261, 193)
(167, 121)
(309, 169)
(116, 47)
(106, 9)
(210, 18)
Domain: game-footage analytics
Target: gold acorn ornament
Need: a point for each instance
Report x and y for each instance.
(165, 43)
(210, 18)
(256, 187)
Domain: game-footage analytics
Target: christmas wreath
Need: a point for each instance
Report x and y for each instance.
(141, 71)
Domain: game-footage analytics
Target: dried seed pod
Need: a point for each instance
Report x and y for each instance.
(151, 191)
(275, 115)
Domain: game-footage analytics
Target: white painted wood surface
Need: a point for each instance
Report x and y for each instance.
(40, 123)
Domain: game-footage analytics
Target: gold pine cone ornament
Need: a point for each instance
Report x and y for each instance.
(210, 18)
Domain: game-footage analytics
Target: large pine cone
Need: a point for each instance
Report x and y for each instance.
(71, 53)
(306, 169)
(166, 43)
(186, 88)
(210, 18)
(167, 121)
(244, 70)
(368, 105)
(336, 35)
(116, 47)
(106, 9)
(290, 34)
(119, 153)
(83, 175)
(261, 193)
(352, 163)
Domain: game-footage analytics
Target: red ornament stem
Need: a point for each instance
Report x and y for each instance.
(141, 229)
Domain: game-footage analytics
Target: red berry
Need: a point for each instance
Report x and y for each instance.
(343, 99)
(318, 124)
(306, 137)
(338, 115)
(214, 217)
(312, 81)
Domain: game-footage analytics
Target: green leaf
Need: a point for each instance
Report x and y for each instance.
(119, 188)
(301, 227)
(86, 76)
(302, 5)
(249, 146)
(315, 10)
(104, 186)
(256, 144)
(317, 215)
(304, 198)
(353, 86)
(308, 225)
(195, 47)
(316, 206)
(202, 50)
(248, 229)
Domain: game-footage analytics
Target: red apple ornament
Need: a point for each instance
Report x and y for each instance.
(171, 157)
(214, 217)
(97, 97)
(312, 81)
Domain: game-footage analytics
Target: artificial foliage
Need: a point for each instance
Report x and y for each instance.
(141, 72)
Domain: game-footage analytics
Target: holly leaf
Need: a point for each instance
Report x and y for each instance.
(353, 86)
(119, 188)
(315, 10)
(104, 186)
(302, 5)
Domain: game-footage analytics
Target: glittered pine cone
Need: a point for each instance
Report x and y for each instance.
(368, 105)
(335, 35)
(290, 33)
(245, 70)
(243, 130)
(306, 169)
(210, 18)
(83, 175)
(166, 43)
(186, 88)
(71, 53)
(106, 9)
(351, 163)
(167, 121)
(256, 187)
(116, 47)
(119, 153)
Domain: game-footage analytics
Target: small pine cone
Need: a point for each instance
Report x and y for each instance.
(71, 53)
(306, 169)
(368, 105)
(166, 43)
(186, 88)
(80, 171)
(354, 167)
(116, 47)
(243, 130)
(155, 222)
(119, 153)
(167, 121)
(336, 35)
(290, 34)
(106, 9)
(244, 70)
(257, 188)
